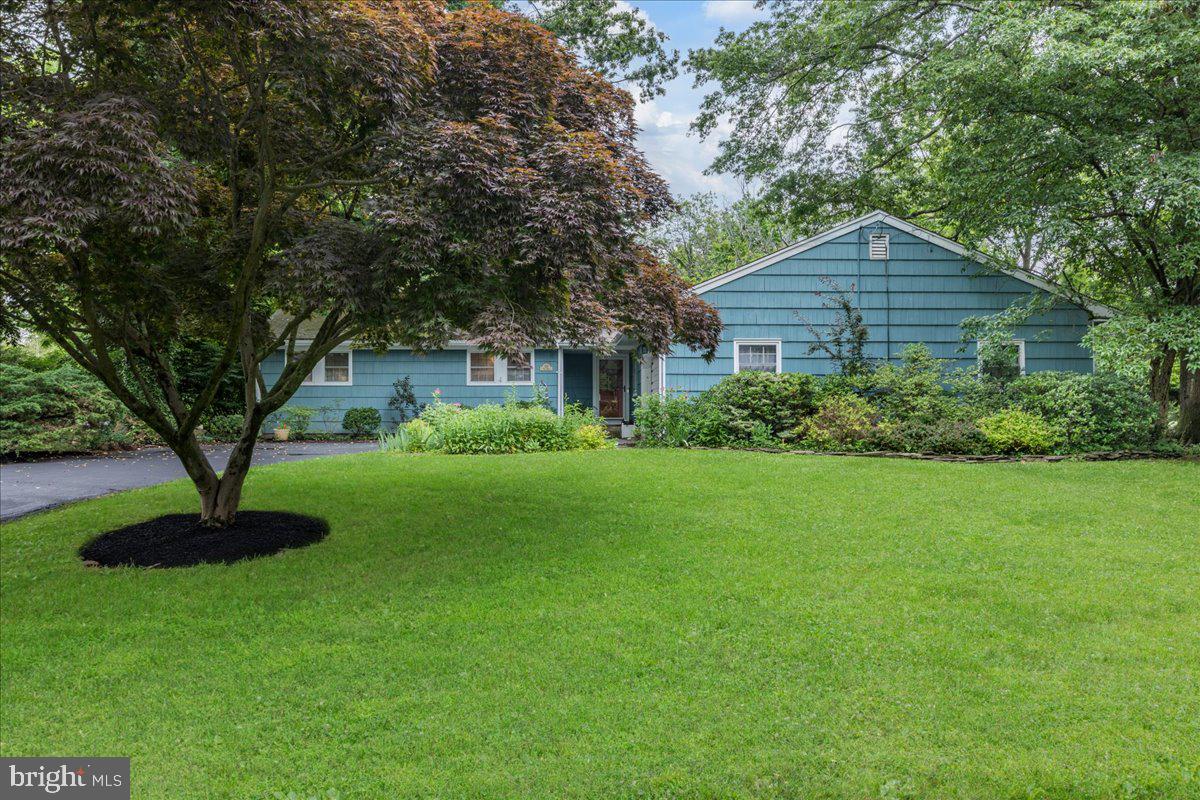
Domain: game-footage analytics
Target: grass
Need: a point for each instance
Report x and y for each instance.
(634, 624)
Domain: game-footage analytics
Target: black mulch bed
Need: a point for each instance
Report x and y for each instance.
(179, 540)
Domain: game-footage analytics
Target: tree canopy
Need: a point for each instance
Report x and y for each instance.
(611, 38)
(1065, 135)
(403, 173)
(703, 238)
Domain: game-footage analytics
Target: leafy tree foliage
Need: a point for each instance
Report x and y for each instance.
(397, 172)
(703, 238)
(611, 38)
(1066, 132)
(844, 340)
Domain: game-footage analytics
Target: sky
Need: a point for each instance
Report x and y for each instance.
(678, 156)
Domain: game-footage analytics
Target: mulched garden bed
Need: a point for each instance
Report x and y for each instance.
(179, 540)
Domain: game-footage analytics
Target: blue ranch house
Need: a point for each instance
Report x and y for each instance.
(911, 285)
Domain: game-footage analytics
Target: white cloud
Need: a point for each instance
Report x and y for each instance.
(622, 6)
(680, 157)
(648, 114)
(733, 12)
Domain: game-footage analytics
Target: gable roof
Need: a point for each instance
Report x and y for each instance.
(1095, 308)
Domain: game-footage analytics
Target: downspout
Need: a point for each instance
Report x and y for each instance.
(858, 270)
(887, 299)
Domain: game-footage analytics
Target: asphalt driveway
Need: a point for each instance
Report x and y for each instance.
(37, 485)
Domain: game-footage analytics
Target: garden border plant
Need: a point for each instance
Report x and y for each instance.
(914, 407)
(515, 426)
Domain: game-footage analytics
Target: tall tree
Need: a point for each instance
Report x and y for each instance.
(611, 38)
(1070, 127)
(704, 237)
(400, 172)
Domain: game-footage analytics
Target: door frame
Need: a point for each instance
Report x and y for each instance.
(623, 357)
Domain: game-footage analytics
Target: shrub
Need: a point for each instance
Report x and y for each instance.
(62, 409)
(510, 428)
(746, 402)
(913, 390)
(945, 437)
(224, 427)
(403, 401)
(590, 437)
(500, 429)
(1015, 431)
(841, 422)
(1090, 412)
(361, 421)
(296, 419)
(663, 421)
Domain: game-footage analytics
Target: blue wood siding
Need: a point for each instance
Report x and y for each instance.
(920, 294)
(577, 378)
(373, 374)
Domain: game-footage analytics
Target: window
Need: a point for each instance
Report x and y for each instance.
(336, 368)
(483, 368)
(1004, 361)
(332, 370)
(519, 368)
(879, 247)
(488, 369)
(755, 355)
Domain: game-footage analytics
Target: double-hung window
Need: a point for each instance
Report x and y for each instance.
(332, 370)
(757, 355)
(1003, 361)
(488, 369)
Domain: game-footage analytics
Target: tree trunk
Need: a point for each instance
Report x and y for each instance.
(1189, 402)
(219, 501)
(1161, 368)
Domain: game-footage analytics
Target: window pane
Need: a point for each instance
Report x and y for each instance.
(483, 367)
(757, 357)
(520, 368)
(337, 368)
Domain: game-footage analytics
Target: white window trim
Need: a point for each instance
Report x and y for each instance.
(737, 343)
(1020, 343)
(500, 368)
(319, 369)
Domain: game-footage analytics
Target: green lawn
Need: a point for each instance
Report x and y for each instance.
(634, 624)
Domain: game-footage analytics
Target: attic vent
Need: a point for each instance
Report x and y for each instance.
(879, 246)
